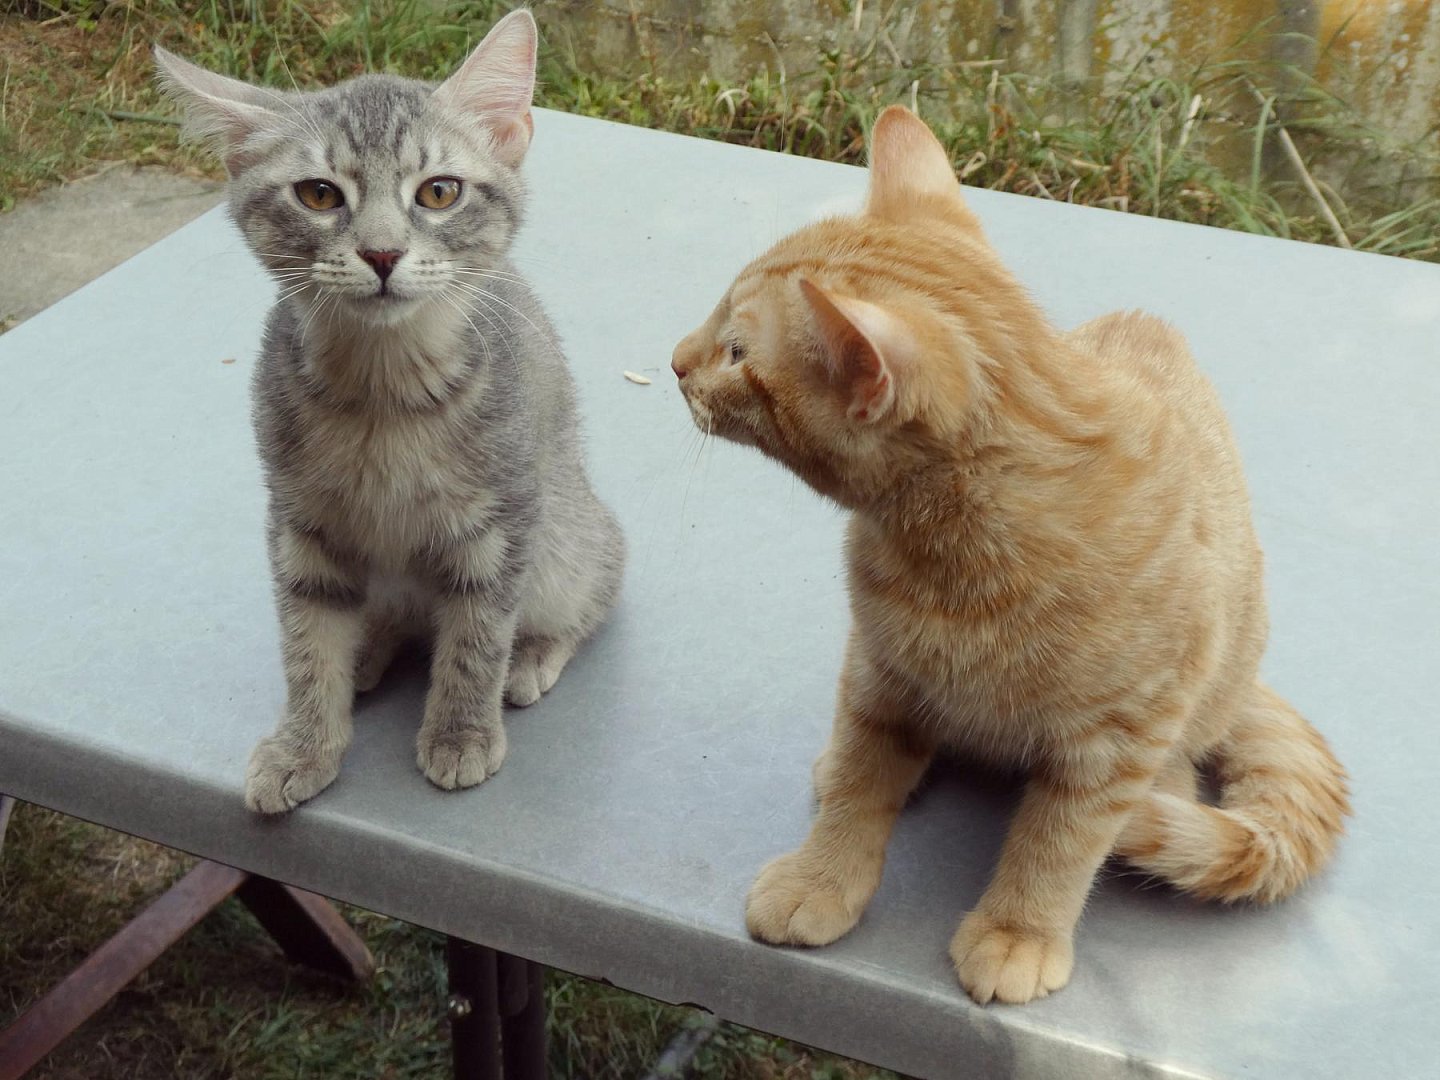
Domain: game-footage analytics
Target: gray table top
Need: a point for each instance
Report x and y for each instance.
(139, 658)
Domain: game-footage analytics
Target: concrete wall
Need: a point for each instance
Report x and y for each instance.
(1383, 55)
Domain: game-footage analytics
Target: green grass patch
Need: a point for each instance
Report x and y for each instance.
(224, 1002)
(76, 90)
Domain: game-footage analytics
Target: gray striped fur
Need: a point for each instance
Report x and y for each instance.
(421, 448)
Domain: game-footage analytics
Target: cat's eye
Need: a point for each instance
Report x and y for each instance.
(319, 194)
(737, 352)
(438, 192)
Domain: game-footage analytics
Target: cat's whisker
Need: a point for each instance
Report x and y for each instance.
(308, 123)
(455, 303)
(478, 280)
(484, 298)
(689, 463)
(326, 300)
(458, 305)
(510, 307)
(498, 275)
(293, 290)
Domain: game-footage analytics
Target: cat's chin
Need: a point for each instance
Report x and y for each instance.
(386, 310)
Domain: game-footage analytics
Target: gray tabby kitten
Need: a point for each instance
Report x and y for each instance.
(414, 413)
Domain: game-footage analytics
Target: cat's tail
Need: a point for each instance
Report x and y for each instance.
(1283, 800)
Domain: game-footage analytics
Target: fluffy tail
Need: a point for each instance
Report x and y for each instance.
(1283, 801)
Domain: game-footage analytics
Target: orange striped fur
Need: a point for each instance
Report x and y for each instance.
(1051, 564)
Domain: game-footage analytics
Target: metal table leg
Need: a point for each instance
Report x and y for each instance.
(522, 1018)
(497, 1014)
(474, 1010)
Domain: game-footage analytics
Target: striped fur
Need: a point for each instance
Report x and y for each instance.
(418, 428)
(1051, 565)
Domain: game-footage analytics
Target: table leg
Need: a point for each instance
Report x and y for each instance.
(497, 1014)
(7, 803)
(109, 968)
(474, 1009)
(305, 925)
(308, 928)
(522, 1018)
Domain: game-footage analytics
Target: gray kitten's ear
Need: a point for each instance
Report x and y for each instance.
(225, 112)
(496, 84)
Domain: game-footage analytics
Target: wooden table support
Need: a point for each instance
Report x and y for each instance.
(7, 804)
(497, 1014)
(306, 926)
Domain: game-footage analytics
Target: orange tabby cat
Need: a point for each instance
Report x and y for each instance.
(1051, 564)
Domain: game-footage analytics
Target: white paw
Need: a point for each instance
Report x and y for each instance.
(459, 759)
(534, 669)
(1007, 963)
(523, 685)
(280, 779)
(795, 902)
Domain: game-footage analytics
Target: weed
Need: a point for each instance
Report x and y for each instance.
(76, 89)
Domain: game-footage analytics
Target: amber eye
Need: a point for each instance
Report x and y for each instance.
(438, 192)
(319, 194)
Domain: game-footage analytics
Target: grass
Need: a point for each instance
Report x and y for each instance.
(224, 1003)
(76, 90)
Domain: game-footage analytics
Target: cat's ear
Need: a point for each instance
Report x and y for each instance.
(496, 83)
(910, 172)
(867, 348)
(226, 112)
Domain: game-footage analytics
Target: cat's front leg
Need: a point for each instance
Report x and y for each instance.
(320, 599)
(874, 760)
(1018, 943)
(462, 739)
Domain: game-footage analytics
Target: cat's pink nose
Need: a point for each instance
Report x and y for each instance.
(679, 366)
(382, 262)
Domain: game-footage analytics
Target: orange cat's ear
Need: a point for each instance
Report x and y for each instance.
(866, 346)
(909, 169)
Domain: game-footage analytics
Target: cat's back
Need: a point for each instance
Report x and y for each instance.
(1149, 349)
(1160, 380)
(1142, 345)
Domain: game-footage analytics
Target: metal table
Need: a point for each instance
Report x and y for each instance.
(139, 661)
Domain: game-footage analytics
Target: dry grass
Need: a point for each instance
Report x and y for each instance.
(75, 90)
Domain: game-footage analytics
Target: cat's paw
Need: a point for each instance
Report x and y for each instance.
(280, 779)
(796, 902)
(1005, 963)
(534, 669)
(458, 759)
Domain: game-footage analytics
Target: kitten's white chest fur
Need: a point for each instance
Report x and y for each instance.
(386, 467)
(390, 485)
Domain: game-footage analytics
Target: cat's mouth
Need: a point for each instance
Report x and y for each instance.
(386, 297)
(384, 307)
(706, 420)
